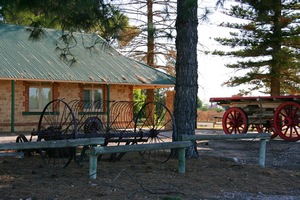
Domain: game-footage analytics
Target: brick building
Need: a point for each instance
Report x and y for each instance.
(75, 66)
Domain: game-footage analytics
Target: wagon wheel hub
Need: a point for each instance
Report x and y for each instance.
(289, 121)
(232, 123)
(153, 133)
(235, 123)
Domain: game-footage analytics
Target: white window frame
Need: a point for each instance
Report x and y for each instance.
(41, 104)
(92, 90)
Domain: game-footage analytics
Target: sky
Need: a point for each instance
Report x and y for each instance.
(212, 71)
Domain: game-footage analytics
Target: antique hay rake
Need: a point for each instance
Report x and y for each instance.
(118, 122)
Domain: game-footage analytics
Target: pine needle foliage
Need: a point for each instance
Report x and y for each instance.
(266, 46)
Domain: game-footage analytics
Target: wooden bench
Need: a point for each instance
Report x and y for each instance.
(263, 137)
(217, 121)
(99, 150)
(95, 151)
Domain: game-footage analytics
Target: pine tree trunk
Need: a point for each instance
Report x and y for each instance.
(150, 45)
(276, 45)
(185, 108)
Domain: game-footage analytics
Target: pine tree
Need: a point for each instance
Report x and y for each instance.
(77, 15)
(87, 16)
(155, 20)
(266, 46)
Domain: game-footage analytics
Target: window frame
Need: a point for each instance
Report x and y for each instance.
(92, 89)
(41, 104)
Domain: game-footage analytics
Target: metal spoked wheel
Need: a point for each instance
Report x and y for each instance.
(235, 121)
(287, 118)
(57, 122)
(20, 139)
(155, 122)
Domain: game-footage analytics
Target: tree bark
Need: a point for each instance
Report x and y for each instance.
(185, 108)
(276, 68)
(150, 46)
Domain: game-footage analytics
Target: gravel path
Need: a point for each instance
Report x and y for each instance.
(279, 153)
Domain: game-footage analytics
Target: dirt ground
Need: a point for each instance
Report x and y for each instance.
(224, 170)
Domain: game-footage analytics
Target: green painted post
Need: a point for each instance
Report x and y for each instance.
(181, 160)
(93, 166)
(108, 107)
(262, 152)
(262, 136)
(99, 150)
(12, 125)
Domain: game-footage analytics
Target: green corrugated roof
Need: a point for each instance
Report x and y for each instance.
(23, 59)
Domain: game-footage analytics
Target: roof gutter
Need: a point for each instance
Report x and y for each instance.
(135, 85)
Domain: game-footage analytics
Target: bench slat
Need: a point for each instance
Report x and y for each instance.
(139, 147)
(52, 144)
(226, 137)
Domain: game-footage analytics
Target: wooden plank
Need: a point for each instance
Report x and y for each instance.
(52, 144)
(255, 98)
(225, 137)
(242, 101)
(127, 140)
(139, 147)
(16, 154)
(263, 115)
(247, 104)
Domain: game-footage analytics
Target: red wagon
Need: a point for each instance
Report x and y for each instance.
(279, 115)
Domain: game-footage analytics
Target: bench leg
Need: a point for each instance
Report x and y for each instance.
(262, 152)
(93, 166)
(181, 160)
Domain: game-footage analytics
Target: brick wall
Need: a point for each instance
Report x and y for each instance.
(170, 95)
(121, 93)
(68, 91)
(5, 104)
(26, 122)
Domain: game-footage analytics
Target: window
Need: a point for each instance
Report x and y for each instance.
(95, 96)
(39, 96)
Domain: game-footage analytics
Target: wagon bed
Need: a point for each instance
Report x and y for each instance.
(253, 99)
(279, 115)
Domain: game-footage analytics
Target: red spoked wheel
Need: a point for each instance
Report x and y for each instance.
(287, 121)
(235, 121)
(267, 127)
